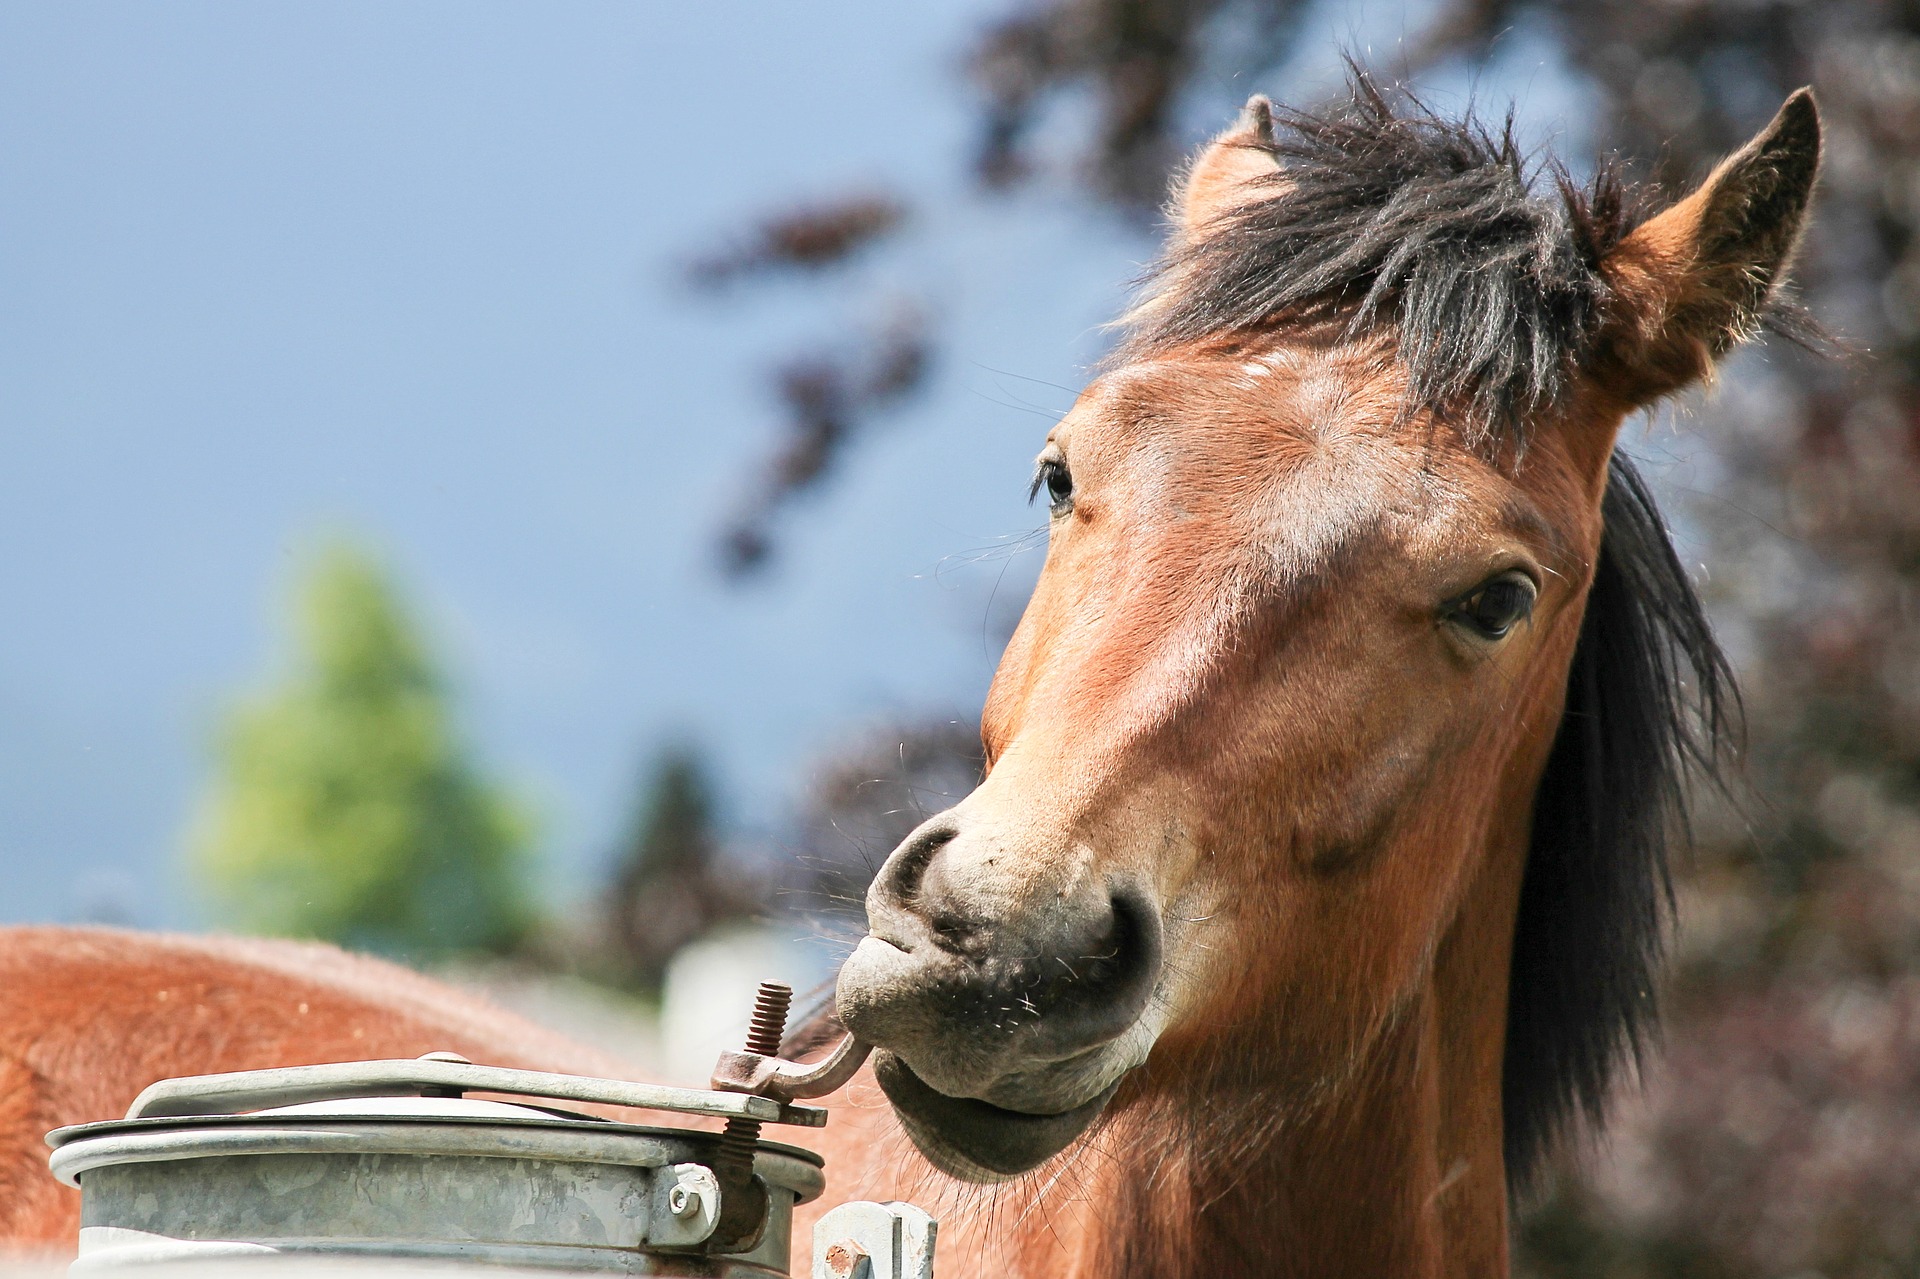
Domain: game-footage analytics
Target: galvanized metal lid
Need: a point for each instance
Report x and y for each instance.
(392, 1160)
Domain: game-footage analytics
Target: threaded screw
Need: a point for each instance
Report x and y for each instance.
(769, 1024)
(734, 1160)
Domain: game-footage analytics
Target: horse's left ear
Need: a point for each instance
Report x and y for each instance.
(1696, 280)
(1224, 176)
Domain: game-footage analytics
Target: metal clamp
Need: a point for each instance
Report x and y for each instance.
(785, 1081)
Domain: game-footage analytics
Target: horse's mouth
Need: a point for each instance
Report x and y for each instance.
(977, 1140)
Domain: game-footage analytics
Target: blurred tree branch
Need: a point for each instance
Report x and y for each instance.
(813, 237)
(829, 396)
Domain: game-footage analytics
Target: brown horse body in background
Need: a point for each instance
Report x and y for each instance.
(1317, 877)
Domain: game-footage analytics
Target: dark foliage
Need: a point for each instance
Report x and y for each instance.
(671, 882)
(1650, 696)
(811, 238)
(1139, 54)
(1137, 57)
(1401, 218)
(828, 397)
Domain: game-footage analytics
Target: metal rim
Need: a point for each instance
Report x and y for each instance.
(93, 1146)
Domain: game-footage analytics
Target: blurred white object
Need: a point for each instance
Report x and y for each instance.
(710, 988)
(618, 1024)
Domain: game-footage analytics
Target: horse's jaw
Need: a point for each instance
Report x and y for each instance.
(975, 1140)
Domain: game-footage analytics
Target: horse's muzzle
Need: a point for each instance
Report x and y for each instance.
(1007, 1005)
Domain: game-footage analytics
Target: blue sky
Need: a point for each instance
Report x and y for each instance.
(404, 271)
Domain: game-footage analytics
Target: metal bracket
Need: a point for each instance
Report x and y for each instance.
(865, 1240)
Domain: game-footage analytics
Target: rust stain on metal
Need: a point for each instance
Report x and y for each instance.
(844, 1258)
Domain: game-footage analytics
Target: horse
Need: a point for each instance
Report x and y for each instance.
(1316, 883)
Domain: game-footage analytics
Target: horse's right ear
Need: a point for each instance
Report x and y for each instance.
(1696, 280)
(1223, 176)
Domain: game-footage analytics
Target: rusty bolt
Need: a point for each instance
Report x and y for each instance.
(845, 1257)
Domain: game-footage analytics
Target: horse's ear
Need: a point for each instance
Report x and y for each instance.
(1221, 178)
(1697, 279)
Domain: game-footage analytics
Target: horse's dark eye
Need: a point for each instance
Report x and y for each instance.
(1059, 485)
(1053, 476)
(1497, 606)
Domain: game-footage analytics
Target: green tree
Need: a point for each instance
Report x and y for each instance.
(345, 807)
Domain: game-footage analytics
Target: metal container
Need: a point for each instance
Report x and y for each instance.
(392, 1162)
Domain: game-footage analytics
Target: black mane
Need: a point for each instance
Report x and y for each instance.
(1433, 229)
(1431, 226)
(1650, 698)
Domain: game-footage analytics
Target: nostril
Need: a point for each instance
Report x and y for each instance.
(894, 902)
(1136, 930)
(1099, 993)
(907, 867)
(1120, 946)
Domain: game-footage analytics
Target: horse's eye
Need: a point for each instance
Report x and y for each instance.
(1052, 475)
(1497, 606)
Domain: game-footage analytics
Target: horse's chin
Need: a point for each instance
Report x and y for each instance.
(977, 1140)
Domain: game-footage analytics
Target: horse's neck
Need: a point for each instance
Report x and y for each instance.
(1398, 1175)
(1373, 1181)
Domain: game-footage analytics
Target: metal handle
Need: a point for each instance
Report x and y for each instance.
(291, 1085)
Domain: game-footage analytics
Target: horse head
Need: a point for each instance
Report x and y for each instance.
(1338, 738)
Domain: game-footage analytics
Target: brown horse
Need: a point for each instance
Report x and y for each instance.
(1318, 875)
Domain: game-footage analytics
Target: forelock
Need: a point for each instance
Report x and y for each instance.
(1384, 217)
